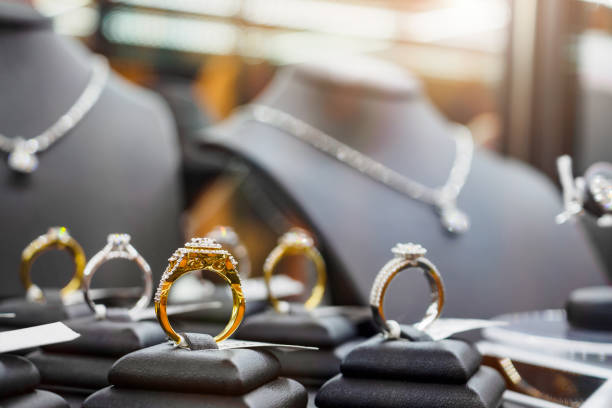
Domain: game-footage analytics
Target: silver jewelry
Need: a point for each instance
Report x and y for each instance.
(118, 246)
(443, 199)
(406, 256)
(22, 152)
(592, 192)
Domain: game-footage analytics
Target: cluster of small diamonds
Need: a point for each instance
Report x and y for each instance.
(385, 274)
(196, 246)
(296, 237)
(225, 235)
(53, 234)
(410, 252)
(118, 240)
(205, 242)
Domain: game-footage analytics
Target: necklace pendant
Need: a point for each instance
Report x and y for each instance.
(454, 220)
(22, 159)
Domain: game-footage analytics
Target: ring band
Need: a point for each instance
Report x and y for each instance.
(296, 241)
(55, 238)
(229, 239)
(200, 254)
(406, 256)
(117, 246)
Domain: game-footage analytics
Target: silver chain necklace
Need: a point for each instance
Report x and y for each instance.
(22, 152)
(443, 199)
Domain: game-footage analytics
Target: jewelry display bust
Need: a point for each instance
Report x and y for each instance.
(507, 259)
(117, 169)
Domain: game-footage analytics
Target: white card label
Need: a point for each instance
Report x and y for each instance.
(234, 344)
(36, 336)
(444, 328)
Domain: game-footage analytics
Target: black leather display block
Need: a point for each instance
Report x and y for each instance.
(108, 337)
(33, 313)
(334, 334)
(82, 365)
(483, 390)
(166, 367)
(203, 376)
(316, 366)
(445, 361)
(590, 308)
(35, 399)
(18, 380)
(299, 328)
(279, 393)
(72, 370)
(418, 374)
(17, 375)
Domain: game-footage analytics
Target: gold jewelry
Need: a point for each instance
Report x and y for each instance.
(406, 256)
(55, 238)
(296, 242)
(200, 254)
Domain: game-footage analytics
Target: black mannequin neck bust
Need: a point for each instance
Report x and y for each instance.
(506, 261)
(368, 104)
(117, 170)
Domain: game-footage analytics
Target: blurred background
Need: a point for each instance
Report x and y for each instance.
(531, 78)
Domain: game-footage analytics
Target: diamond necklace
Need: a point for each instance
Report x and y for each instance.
(443, 199)
(22, 152)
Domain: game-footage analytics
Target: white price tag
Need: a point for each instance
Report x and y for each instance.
(234, 344)
(36, 336)
(444, 328)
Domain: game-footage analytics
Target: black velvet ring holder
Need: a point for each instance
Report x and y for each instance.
(81, 366)
(29, 313)
(383, 373)
(590, 308)
(18, 380)
(334, 335)
(203, 376)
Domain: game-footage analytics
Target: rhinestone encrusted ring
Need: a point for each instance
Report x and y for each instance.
(118, 247)
(197, 255)
(406, 256)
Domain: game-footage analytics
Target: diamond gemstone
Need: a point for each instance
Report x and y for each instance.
(296, 237)
(60, 233)
(455, 220)
(408, 251)
(203, 243)
(118, 240)
(22, 159)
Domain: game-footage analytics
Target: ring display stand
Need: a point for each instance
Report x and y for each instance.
(333, 335)
(78, 368)
(203, 376)
(29, 313)
(424, 374)
(18, 381)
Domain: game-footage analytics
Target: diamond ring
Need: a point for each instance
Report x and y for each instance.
(197, 255)
(296, 241)
(117, 246)
(55, 238)
(406, 256)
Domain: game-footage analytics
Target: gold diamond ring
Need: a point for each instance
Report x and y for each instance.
(55, 238)
(406, 256)
(200, 254)
(296, 241)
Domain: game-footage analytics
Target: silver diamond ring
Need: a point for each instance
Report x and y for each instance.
(406, 256)
(118, 246)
